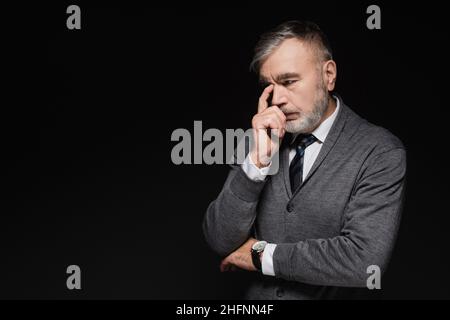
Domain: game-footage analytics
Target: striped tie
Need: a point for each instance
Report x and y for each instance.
(296, 167)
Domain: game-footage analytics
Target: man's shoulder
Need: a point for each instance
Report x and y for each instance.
(367, 134)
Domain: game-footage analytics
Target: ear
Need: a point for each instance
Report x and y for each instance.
(329, 74)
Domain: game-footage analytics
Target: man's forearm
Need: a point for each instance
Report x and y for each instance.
(229, 218)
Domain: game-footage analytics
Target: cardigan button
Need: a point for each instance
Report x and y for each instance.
(280, 292)
(290, 207)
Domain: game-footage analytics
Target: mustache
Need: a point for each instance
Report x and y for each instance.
(287, 110)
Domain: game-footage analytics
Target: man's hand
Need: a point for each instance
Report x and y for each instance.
(241, 258)
(267, 119)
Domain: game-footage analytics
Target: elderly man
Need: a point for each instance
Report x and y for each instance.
(333, 208)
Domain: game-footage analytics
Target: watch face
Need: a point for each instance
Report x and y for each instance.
(259, 246)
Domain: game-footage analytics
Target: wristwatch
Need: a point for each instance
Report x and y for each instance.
(257, 249)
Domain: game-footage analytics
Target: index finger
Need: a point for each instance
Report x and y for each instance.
(262, 103)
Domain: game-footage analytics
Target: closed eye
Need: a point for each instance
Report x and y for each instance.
(288, 82)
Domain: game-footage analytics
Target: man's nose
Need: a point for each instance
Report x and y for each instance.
(278, 96)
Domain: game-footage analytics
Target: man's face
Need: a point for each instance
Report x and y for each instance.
(299, 88)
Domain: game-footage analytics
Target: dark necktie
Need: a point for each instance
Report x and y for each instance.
(296, 167)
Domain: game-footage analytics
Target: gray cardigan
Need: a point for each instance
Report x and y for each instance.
(343, 218)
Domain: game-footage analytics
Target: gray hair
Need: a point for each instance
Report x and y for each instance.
(303, 30)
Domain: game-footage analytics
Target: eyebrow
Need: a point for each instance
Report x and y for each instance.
(280, 77)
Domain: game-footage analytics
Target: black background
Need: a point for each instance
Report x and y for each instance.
(87, 118)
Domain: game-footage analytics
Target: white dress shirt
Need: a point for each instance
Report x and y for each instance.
(310, 155)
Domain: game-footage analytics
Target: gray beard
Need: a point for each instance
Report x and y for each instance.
(307, 122)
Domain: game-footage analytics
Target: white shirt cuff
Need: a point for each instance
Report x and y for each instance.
(253, 172)
(267, 259)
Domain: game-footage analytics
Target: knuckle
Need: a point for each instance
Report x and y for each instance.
(256, 119)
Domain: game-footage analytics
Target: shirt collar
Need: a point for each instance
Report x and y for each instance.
(323, 129)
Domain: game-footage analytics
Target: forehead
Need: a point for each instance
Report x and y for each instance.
(292, 55)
